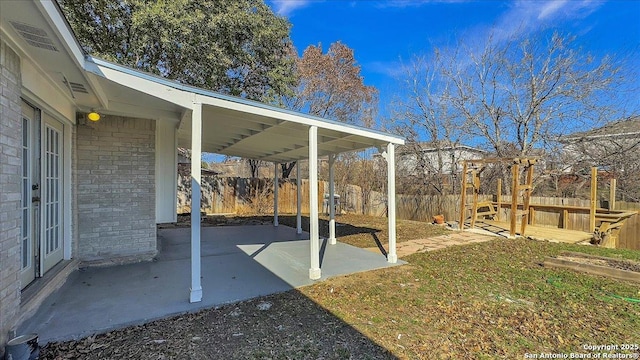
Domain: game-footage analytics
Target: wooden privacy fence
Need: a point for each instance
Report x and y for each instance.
(243, 195)
(223, 195)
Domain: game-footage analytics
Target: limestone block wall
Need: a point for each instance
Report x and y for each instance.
(115, 187)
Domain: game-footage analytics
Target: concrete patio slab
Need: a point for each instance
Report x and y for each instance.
(238, 263)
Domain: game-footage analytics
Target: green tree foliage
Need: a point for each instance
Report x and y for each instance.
(238, 47)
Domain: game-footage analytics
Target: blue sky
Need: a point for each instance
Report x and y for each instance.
(386, 34)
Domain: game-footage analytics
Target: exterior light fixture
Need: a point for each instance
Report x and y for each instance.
(93, 116)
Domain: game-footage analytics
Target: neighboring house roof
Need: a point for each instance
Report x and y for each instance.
(432, 146)
(625, 127)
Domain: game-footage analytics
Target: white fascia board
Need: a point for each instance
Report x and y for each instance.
(299, 118)
(139, 83)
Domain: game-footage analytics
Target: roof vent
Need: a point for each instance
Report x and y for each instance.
(34, 36)
(77, 87)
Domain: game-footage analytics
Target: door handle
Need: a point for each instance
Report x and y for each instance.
(35, 199)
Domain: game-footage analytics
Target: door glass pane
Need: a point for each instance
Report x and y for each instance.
(25, 239)
(25, 243)
(25, 131)
(53, 191)
(25, 192)
(25, 223)
(25, 162)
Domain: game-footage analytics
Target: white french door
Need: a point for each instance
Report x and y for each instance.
(41, 235)
(51, 242)
(30, 200)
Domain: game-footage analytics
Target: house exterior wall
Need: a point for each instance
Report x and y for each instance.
(408, 164)
(116, 190)
(10, 193)
(166, 168)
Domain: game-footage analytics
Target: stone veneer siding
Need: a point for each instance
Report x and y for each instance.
(10, 191)
(115, 160)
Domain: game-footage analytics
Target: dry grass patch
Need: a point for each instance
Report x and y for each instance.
(487, 300)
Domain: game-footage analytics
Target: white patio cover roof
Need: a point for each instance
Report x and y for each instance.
(230, 125)
(212, 122)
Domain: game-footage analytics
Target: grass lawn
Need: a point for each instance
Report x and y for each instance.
(478, 301)
(486, 300)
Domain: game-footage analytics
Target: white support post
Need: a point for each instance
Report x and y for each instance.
(314, 239)
(275, 194)
(195, 294)
(332, 206)
(298, 200)
(392, 256)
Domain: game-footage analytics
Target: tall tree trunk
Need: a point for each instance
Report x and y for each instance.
(287, 168)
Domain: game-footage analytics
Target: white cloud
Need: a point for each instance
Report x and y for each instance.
(413, 3)
(528, 16)
(286, 7)
(524, 17)
(550, 8)
(392, 69)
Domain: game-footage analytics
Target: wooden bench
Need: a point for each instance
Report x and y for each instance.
(489, 213)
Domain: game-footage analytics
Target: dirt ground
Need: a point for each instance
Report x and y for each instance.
(283, 326)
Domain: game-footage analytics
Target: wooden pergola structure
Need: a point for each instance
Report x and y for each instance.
(472, 169)
(604, 224)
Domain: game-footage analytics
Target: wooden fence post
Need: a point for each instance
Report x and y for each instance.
(515, 189)
(499, 200)
(463, 195)
(612, 194)
(592, 202)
